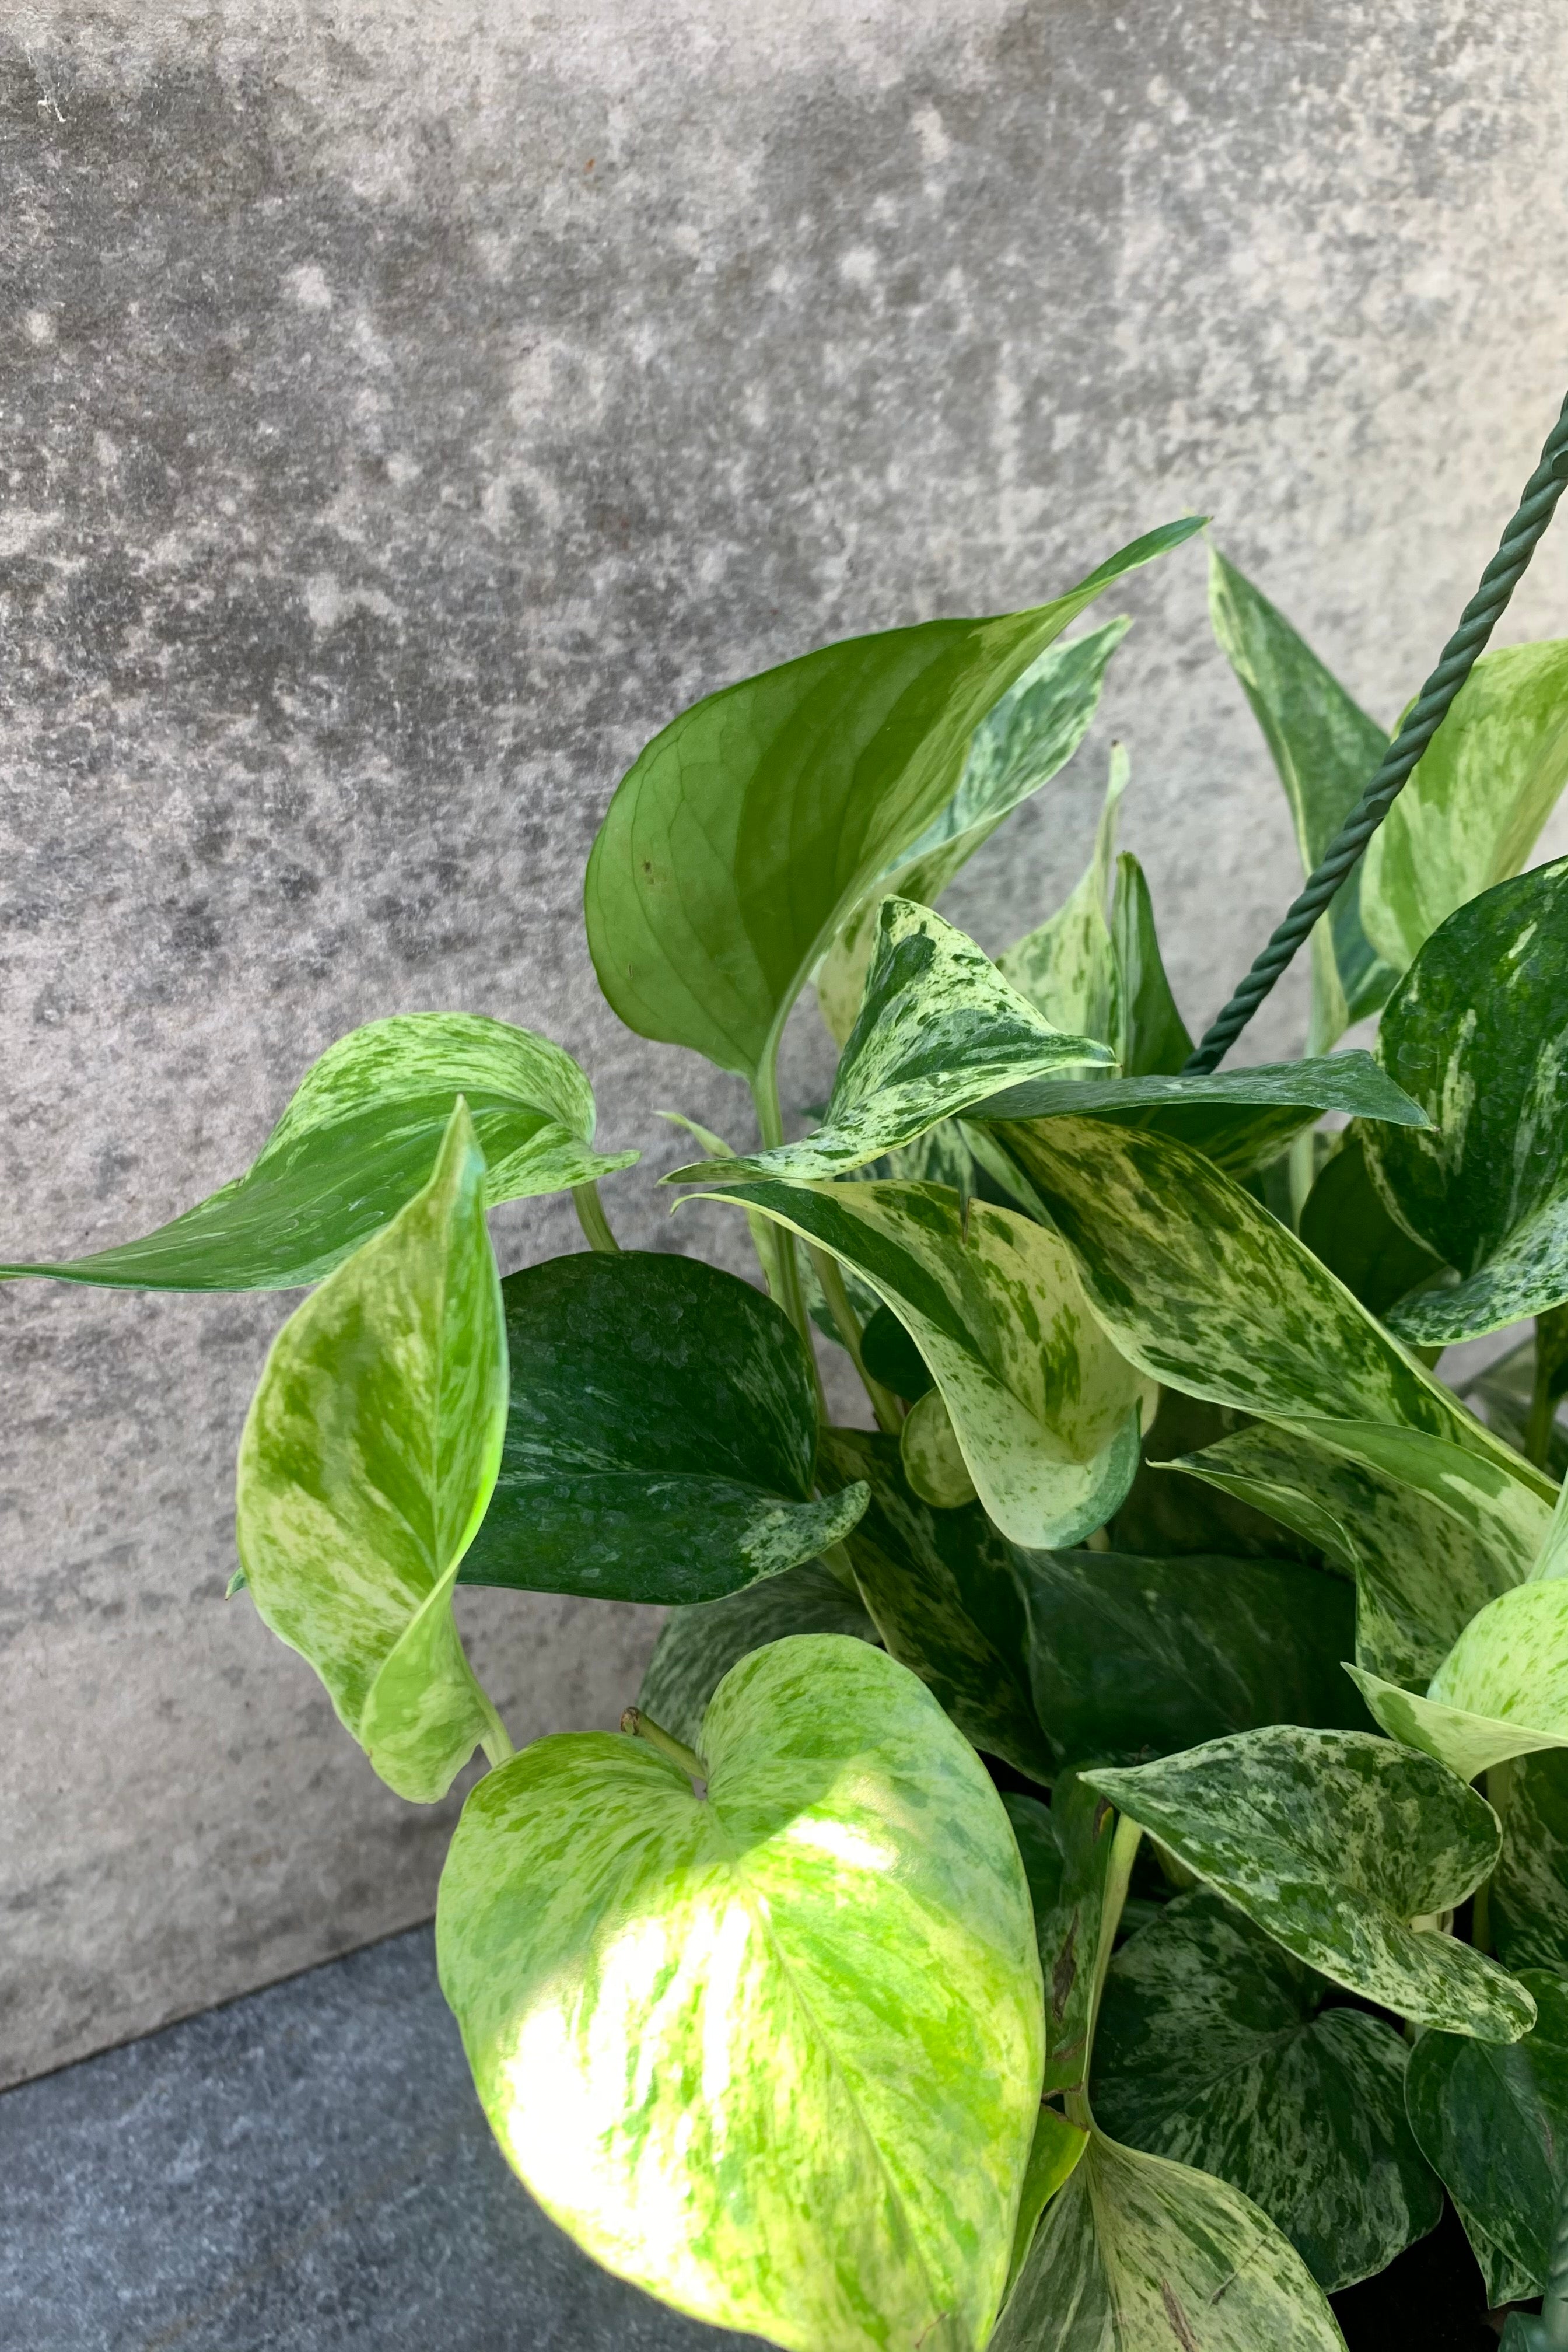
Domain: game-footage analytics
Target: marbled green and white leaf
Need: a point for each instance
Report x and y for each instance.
(1470, 814)
(1152, 1039)
(1024, 740)
(1214, 2047)
(661, 1439)
(1067, 967)
(1137, 2254)
(357, 1141)
(697, 1647)
(773, 2052)
(1202, 1288)
(938, 1028)
(1334, 1842)
(1344, 1224)
(1528, 1898)
(1327, 750)
(932, 1459)
(1045, 1409)
(1425, 1559)
(1067, 1858)
(942, 1588)
(745, 833)
(1478, 1033)
(1501, 1691)
(368, 1456)
(1494, 2124)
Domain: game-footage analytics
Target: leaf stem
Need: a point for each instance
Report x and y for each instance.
(1543, 1409)
(1117, 1878)
(638, 1726)
(496, 1740)
(591, 1216)
(829, 1273)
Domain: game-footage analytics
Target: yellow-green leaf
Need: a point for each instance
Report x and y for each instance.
(1501, 1691)
(1067, 968)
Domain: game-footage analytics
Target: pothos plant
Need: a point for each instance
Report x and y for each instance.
(1087, 1865)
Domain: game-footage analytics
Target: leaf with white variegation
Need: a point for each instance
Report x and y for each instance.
(1527, 1901)
(933, 1458)
(939, 1027)
(368, 1457)
(1045, 1410)
(1021, 743)
(747, 830)
(1067, 968)
(1214, 2047)
(1334, 1842)
(1473, 805)
(661, 1435)
(1501, 1691)
(1137, 2254)
(820, 1976)
(1478, 1033)
(357, 1141)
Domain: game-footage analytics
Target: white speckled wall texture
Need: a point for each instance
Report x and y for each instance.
(403, 409)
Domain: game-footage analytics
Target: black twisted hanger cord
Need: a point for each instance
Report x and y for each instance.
(1481, 616)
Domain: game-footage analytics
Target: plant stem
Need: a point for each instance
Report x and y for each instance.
(497, 1741)
(638, 1726)
(1117, 1878)
(829, 1273)
(591, 1218)
(1543, 1409)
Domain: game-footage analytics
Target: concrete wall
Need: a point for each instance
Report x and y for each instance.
(407, 407)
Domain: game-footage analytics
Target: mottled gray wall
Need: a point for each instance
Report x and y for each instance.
(405, 408)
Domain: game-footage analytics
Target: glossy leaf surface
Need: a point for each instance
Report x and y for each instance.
(357, 1141)
(661, 1436)
(1152, 1039)
(1214, 2048)
(1024, 740)
(939, 1027)
(697, 1647)
(1326, 750)
(745, 834)
(1067, 967)
(1139, 2255)
(1044, 1408)
(1501, 1691)
(821, 1979)
(1334, 1842)
(1470, 814)
(368, 1457)
(1478, 1033)
(1494, 2124)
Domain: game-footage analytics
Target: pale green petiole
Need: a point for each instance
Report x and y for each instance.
(638, 1726)
(591, 1218)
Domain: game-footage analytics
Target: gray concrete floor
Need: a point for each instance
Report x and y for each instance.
(306, 2168)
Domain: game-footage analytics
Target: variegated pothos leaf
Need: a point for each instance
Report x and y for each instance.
(1501, 1691)
(1067, 968)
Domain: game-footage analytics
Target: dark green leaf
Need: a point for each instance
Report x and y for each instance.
(1345, 1223)
(892, 1356)
(1334, 1842)
(1151, 1038)
(1478, 1032)
(745, 833)
(1528, 1898)
(1066, 1853)
(699, 1647)
(1055, 2154)
(1494, 2122)
(942, 1588)
(1167, 1514)
(661, 1435)
(1327, 750)
(1214, 2048)
(357, 1141)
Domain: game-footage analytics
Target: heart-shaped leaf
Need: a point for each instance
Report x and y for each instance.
(368, 1456)
(1067, 968)
(1424, 1561)
(745, 834)
(938, 1028)
(661, 1438)
(1501, 1691)
(773, 2051)
(943, 1588)
(1139, 2255)
(1326, 750)
(1478, 1033)
(358, 1140)
(1020, 744)
(1044, 1409)
(1201, 1287)
(1150, 1039)
(1476, 801)
(1214, 2048)
(1494, 2122)
(1344, 1224)
(1528, 1898)
(1334, 1842)
(699, 1647)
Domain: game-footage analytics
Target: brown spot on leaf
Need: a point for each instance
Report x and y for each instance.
(1181, 2328)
